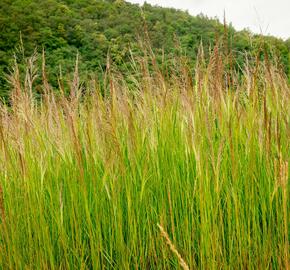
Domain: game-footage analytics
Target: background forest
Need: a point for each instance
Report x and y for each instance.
(96, 29)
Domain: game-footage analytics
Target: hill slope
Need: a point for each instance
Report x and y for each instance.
(93, 27)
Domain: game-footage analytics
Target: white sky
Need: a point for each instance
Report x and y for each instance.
(272, 17)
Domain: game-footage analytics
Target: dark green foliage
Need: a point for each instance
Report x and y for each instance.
(95, 27)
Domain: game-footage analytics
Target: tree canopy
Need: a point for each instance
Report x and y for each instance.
(95, 27)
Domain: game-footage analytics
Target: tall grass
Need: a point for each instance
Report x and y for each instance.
(164, 172)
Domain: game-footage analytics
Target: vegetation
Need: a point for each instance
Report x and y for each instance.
(95, 28)
(181, 173)
(119, 150)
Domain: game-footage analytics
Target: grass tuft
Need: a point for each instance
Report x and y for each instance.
(87, 172)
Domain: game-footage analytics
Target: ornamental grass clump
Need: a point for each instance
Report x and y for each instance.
(89, 171)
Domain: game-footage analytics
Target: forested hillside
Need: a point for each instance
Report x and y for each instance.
(94, 27)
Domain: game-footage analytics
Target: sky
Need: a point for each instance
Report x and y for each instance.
(260, 16)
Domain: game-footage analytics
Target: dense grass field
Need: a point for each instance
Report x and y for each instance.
(161, 172)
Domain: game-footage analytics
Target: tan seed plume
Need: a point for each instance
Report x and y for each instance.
(164, 234)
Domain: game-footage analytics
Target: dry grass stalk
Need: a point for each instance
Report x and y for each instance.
(61, 203)
(181, 261)
(2, 210)
(31, 74)
(281, 172)
(282, 179)
(46, 87)
(74, 89)
(76, 142)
